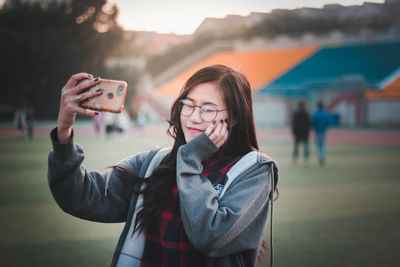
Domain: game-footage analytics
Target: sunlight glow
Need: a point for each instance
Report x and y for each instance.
(184, 16)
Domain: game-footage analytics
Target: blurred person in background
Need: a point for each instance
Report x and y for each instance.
(320, 122)
(141, 119)
(20, 121)
(31, 123)
(98, 123)
(300, 129)
(117, 123)
(203, 202)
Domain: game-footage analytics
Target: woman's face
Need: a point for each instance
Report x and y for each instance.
(205, 94)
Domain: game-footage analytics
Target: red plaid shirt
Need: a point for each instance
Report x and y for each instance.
(166, 241)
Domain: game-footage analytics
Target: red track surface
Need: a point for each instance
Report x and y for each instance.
(342, 136)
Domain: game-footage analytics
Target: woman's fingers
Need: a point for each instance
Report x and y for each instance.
(87, 95)
(265, 246)
(211, 128)
(263, 251)
(260, 258)
(224, 133)
(87, 83)
(71, 97)
(73, 107)
(219, 138)
(69, 105)
(87, 112)
(218, 133)
(70, 102)
(75, 85)
(215, 130)
(74, 80)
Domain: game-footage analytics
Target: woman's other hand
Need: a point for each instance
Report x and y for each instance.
(218, 132)
(71, 95)
(264, 250)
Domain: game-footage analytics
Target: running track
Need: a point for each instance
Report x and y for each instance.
(336, 136)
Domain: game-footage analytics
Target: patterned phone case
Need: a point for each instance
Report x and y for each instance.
(111, 100)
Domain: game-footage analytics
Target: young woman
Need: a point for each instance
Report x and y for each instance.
(203, 202)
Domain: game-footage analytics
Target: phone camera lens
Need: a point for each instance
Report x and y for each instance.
(120, 90)
(110, 95)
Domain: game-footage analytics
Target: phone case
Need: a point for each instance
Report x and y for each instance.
(111, 100)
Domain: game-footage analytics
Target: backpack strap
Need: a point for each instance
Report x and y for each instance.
(156, 160)
(240, 167)
(151, 162)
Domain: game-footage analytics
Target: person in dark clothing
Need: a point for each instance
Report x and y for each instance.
(300, 129)
(31, 123)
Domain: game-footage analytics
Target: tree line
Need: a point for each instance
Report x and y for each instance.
(41, 46)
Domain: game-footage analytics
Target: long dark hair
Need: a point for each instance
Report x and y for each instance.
(242, 138)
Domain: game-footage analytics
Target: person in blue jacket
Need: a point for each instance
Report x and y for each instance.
(202, 202)
(320, 122)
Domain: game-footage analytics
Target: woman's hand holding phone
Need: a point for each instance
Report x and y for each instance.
(71, 96)
(218, 132)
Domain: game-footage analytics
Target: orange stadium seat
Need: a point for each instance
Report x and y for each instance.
(390, 91)
(261, 67)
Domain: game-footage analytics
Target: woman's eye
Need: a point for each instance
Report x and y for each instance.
(186, 103)
(208, 108)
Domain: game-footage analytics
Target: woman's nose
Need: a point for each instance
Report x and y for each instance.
(196, 115)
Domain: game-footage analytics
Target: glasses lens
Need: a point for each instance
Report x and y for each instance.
(208, 113)
(186, 107)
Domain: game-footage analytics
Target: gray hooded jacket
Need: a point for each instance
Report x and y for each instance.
(227, 227)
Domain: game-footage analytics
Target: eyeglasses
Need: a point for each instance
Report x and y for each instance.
(207, 112)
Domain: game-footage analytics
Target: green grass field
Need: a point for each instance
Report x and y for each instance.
(344, 214)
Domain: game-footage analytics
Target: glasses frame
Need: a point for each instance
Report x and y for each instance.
(181, 104)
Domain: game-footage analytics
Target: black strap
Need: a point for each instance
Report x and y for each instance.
(271, 196)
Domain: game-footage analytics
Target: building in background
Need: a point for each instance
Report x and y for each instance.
(350, 79)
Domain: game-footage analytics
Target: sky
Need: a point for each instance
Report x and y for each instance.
(184, 16)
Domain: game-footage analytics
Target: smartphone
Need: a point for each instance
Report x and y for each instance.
(111, 100)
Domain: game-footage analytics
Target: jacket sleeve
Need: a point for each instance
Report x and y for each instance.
(102, 197)
(213, 225)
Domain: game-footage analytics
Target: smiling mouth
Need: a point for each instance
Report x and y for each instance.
(194, 130)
